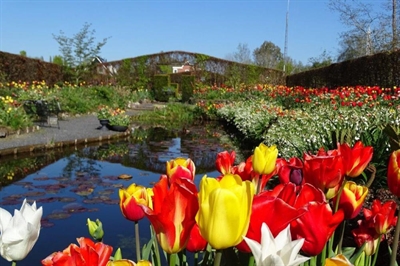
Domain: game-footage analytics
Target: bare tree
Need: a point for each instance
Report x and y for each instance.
(370, 30)
(242, 55)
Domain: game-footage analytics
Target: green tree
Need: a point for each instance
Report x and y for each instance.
(57, 59)
(79, 50)
(323, 60)
(22, 53)
(267, 55)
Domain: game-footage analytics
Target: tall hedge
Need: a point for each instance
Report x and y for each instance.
(160, 86)
(187, 87)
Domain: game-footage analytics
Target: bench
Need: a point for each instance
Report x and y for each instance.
(44, 111)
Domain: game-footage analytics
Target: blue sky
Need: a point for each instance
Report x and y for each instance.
(215, 28)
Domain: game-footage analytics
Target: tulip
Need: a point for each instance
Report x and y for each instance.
(225, 161)
(245, 169)
(368, 236)
(352, 199)
(131, 200)
(338, 260)
(316, 226)
(173, 213)
(393, 173)
(225, 208)
(291, 171)
(19, 233)
(272, 211)
(276, 251)
(264, 159)
(125, 262)
(181, 168)
(381, 216)
(196, 242)
(95, 229)
(87, 253)
(355, 159)
(323, 170)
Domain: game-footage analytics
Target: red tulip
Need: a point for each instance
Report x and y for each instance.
(181, 168)
(88, 253)
(323, 170)
(351, 199)
(381, 216)
(316, 226)
(245, 170)
(273, 211)
(393, 173)
(225, 161)
(355, 159)
(196, 242)
(173, 213)
(367, 235)
(291, 171)
(130, 199)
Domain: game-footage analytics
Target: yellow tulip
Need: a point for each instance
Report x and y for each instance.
(225, 208)
(264, 159)
(338, 260)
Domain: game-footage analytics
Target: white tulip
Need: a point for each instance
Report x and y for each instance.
(279, 251)
(18, 233)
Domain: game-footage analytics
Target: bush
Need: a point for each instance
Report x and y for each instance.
(187, 88)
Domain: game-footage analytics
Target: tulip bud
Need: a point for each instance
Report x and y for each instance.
(393, 173)
(264, 159)
(95, 229)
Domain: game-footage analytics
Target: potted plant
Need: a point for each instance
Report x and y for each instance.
(103, 114)
(119, 122)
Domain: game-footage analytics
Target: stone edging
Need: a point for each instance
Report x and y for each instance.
(60, 144)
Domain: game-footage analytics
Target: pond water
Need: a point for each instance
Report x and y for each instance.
(77, 184)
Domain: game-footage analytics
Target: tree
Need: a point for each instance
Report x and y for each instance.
(22, 53)
(58, 60)
(322, 60)
(79, 50)
(242, 55)
(267, 55)
(370, 30)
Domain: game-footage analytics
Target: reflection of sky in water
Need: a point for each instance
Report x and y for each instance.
(73, 174)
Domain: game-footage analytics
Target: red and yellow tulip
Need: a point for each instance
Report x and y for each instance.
(181, 168)
(352, 199)
(393, 173)
(355, 159)
(132, 199)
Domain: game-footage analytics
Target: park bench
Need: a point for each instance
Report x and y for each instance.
(46, 112)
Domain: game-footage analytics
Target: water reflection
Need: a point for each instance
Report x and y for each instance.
(78, 184)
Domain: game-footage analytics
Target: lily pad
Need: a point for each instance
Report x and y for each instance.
(124, 176)
(58, 215)
(33, 194)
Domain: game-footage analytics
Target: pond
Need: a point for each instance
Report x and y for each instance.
(77, 184)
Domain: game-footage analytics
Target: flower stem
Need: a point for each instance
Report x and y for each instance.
(13, 263)
(395, 242)
(137, 238)
(217, 258)
(377, 251)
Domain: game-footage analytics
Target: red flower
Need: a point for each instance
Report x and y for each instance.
(273, 211)
(323, 170)
(351, 199)
(381, 216)
(291, 171)
(393, 173)
(173, 213)
(196, 242)
(355, 159)
(181, 168)
(225, 161)
(245, 170)
(88, 253)
(368, 235)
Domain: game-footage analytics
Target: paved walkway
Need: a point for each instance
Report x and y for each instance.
(73, 131)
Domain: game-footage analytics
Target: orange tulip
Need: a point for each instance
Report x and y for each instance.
(393, 173)
(88, 253)
(173, 213)
(355, 159)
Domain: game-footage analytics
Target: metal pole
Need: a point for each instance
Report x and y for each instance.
(286, 39)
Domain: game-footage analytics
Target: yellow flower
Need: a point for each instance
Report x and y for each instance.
(264, 159)
(224, 210)
(338, 260)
